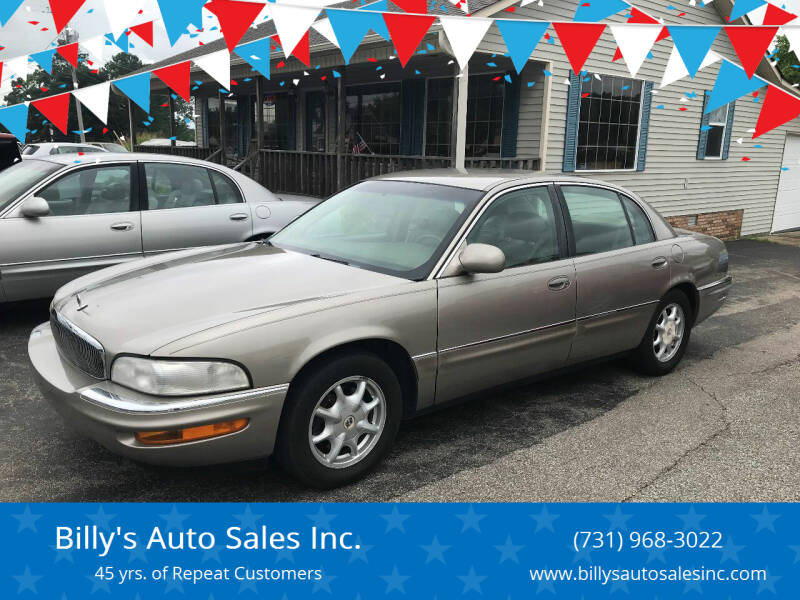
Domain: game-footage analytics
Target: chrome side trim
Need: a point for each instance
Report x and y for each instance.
(724, 281)
(507, 336)
(111, 401)
(617, 310)
(72, 260)
(423, 356)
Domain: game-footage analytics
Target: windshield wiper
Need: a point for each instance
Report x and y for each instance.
(336, 260)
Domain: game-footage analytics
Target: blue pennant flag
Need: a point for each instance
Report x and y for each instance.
(44, 59)
(521, 38)
(15, 119)
(7, 9)
(137, 88)
(123, 41)
(732, 83)
(350, 27)
(693, 43)
(597, 10)
(379, 26)
(742, 7)
(256, 54)
(178, 14)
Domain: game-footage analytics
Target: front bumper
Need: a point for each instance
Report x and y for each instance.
(110, 414)
(712, 297)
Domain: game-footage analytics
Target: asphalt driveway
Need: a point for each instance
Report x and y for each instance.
(724, 426)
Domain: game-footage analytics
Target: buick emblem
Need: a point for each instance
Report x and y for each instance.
(349, 422)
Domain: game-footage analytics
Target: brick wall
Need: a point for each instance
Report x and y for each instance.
(726, 225)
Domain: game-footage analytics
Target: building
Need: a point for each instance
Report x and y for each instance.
(317, 129)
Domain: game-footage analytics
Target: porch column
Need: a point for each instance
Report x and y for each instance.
(260, 127)
(340, 121)
(172, 134)
(222, 128)
(131, 125)
(460, 144)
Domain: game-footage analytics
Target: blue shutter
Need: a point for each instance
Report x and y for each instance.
(703, 138)
(412, 124)
(508, 147)
(644, 124)
(726, 143)
(573, 111)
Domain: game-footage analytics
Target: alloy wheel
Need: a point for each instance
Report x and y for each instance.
(668, 332)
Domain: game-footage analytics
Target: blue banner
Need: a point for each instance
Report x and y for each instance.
(66, 551)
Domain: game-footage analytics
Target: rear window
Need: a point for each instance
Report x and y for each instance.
(29, 149)
(19, 178)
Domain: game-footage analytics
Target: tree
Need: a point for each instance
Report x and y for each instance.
(40, 84)
(788, 64)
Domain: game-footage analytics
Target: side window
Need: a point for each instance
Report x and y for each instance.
(715, 131)
(598, 220)
(522, 224)
(642, 230)
(93, 191)
(227, 192)
(30, 149)
(177, 186)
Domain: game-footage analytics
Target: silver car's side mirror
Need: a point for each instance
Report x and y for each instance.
(482, 258)
(35, 207)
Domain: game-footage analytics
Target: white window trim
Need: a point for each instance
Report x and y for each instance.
(724, 125)
(638, 133)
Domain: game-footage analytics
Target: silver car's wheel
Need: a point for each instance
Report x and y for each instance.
(668, 332)
(347, 422)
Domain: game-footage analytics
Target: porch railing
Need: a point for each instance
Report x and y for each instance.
(187, 151)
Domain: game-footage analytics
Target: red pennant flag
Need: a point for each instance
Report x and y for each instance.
(407, 32)
(751, 44)
(302, 51)
(778, 108)
(177, 78)
(63, 11)
(1, 70)
(235, 18)
(55, 109)
(69, 53)
(578, 41)
(413, 6)
(144, 31)
(617, 55)
(777, 16)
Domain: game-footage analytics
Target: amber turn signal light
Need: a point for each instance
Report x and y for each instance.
(191, 434)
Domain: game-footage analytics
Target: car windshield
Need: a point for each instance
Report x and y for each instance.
(19, 178)
(393, 227)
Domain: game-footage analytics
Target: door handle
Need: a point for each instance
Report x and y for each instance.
(658, 262)
(122, 226)
(238, 217)
(559, 283)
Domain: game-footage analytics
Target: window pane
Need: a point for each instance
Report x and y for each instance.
(714, 141)
(227, 192)
(315, 121)
(522, 225)
(90, 192)
(718, 116)
(598, 221)
(439, 117)
(608, 123)
(177, 186)
(485, 114)
(642, 230)
(373, 119)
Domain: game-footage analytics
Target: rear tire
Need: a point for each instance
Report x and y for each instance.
(667, 336)
(340, 419)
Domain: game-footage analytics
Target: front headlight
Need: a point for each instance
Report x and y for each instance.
(178, 378)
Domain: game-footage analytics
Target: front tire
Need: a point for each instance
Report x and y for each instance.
(340, 420)
(667, 337)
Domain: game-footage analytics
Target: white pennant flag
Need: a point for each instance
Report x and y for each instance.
(96, 47)
(325, 29)
(793, 35)
(120, 14)
(635, 41)
(95, 98)
(676, 69)
(464, 35)
(291, 23)
(16, 67)
(218, 65)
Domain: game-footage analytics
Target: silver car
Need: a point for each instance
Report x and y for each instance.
(63, 216)
(395, 296)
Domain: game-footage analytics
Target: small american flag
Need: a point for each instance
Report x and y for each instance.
(360, 146)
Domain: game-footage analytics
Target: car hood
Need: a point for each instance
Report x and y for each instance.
(158, 301)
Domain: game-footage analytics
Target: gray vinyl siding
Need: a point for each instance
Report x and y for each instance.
(531, 104)
(674, 181)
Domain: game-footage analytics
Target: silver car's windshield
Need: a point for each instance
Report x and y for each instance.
(19, 178)
(394, 227)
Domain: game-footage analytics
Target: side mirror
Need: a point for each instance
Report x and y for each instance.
(35, 207)
(482, 258)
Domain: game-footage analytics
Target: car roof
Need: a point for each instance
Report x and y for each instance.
(481, 179)
(103, 157)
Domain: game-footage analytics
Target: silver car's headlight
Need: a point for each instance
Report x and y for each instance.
(178, 378)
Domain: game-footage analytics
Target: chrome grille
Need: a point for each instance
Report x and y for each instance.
(78, 347)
